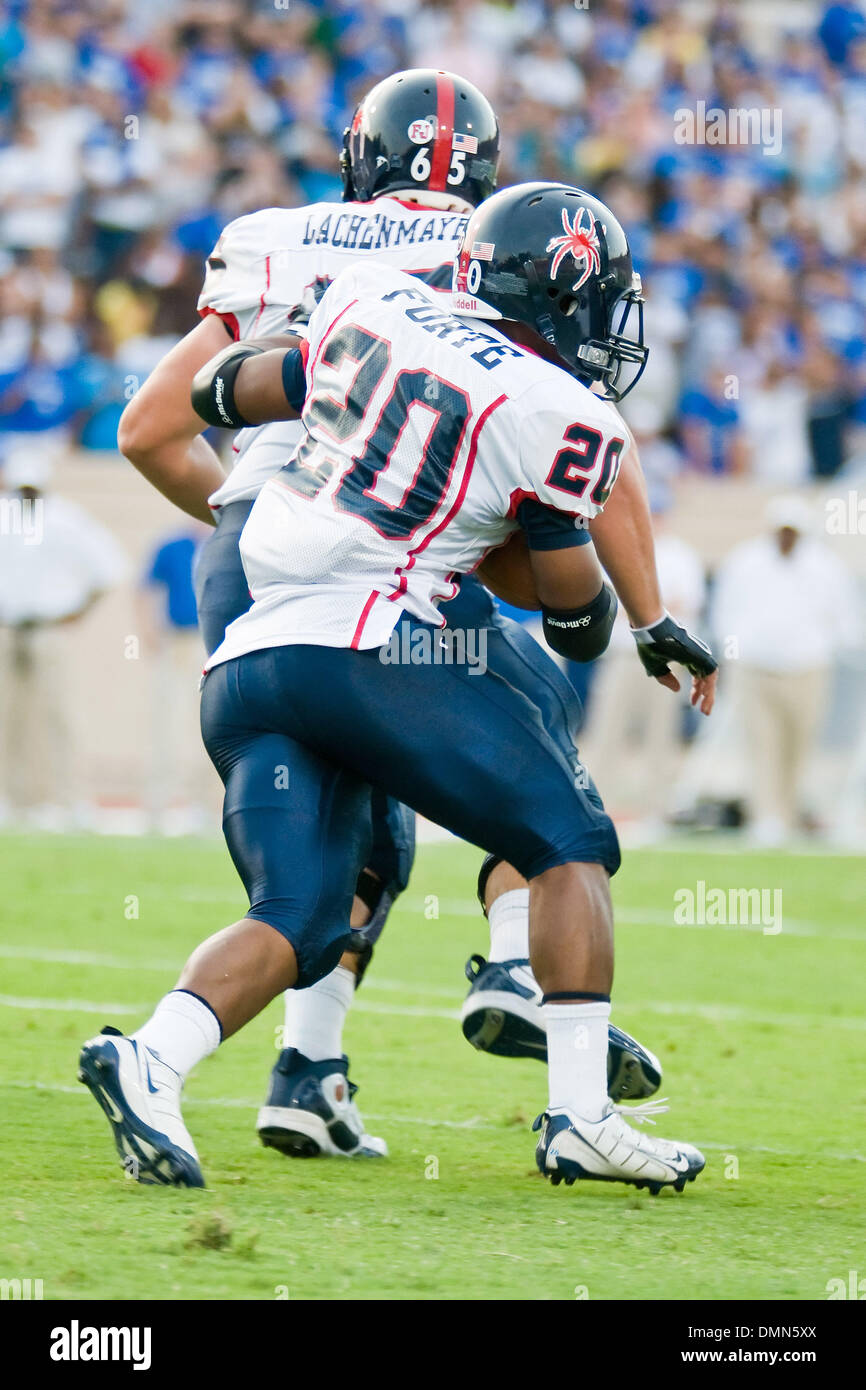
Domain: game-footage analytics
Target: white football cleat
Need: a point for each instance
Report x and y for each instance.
(140, 1095)
(609, 1150)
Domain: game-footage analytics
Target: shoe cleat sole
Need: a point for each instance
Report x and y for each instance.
(570, 1172)
(301, 1134)
(290, 1143)
(495, 1027)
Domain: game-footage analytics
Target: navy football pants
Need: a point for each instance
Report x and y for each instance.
(297, 733)
(222, 595)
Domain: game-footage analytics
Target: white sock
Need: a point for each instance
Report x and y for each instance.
(182, 1031)
(577, 1057)
(509, 926)
(315, 1016)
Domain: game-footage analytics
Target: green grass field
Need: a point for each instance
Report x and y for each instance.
(761, 1038)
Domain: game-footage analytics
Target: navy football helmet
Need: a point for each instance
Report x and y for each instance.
(556, 259)
(421, 129)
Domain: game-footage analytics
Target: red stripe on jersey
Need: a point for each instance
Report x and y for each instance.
(454, 589)
(304, 350)
(523, 495)
(519, 495)
(229, 320)
(467, 473)
(404, 583)
(264, 292)
(363, 618)
(441, 162)
(326, 335)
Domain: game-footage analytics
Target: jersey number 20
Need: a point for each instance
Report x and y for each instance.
(404, 460)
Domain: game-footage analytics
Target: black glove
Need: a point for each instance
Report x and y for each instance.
(666, 641)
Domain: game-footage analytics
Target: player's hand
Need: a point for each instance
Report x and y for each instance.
(667, 641)
(703, 689)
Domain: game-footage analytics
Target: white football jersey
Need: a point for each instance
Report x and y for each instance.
(269, 266)
(424, 432)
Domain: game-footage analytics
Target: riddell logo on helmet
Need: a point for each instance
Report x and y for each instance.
(464, 301)
(421, 132)
(581, 242)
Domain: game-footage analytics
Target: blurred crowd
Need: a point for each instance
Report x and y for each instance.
(130, 134)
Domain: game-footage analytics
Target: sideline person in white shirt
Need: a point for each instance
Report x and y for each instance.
(784, 607)
(55, 562)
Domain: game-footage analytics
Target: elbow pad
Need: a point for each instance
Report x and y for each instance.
(213, 386)
(582, 634)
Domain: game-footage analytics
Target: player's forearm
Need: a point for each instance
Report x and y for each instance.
(185, 471)
(252, 383)
(159, 432)
(623, 539)
(259, 387)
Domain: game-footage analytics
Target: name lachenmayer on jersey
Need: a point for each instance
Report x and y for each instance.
(262, 261)
(343, 230)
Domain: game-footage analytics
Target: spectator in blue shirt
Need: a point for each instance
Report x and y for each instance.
(171, 570)
(839, 28)
(710, 423)
(181, 791)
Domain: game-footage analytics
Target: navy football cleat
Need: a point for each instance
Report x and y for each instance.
(310, 1111)
(609, 1150)
(502, 1014)
(140, 1096)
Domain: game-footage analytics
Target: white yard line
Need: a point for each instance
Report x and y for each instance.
(46, 955)
(63, 957)
(68, 1006)
(428, 1122)
(713, 1013)
(626, 916)
(468, 907)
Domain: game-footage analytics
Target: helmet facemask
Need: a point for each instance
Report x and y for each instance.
(604, 359)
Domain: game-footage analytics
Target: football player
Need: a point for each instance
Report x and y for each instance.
(423, 431)
(421, 152)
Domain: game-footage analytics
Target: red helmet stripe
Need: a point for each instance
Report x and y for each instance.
(441, 161)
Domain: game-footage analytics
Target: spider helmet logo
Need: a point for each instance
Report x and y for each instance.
(580, 240)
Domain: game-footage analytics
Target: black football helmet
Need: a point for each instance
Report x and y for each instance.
(421, 129)
(555, 258)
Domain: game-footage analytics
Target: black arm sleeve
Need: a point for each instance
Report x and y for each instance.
(581, 634)
(546, 528)
(294, 379)
(213, 387)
